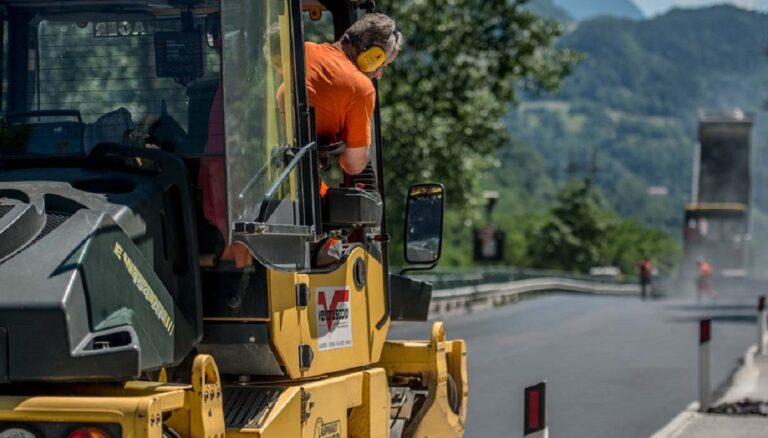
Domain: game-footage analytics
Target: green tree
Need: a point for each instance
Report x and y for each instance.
(570, 238)
(629, 241)
(444, 99)
(579, 234)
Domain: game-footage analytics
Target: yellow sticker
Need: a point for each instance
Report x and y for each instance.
(145, 289)
(327, 430)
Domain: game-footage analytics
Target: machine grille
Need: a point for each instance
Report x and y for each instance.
(4, 209)
(247, 406)
(52, 221)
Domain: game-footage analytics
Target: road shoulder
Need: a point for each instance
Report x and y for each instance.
(750, 381)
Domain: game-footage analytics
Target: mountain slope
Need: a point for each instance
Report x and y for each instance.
(585, 9)
(672, 63)
(627, 114)
(548, 9)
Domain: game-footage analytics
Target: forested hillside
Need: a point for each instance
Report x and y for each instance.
(548, 9)
(567, 11)
(585, 9)
(626, 115)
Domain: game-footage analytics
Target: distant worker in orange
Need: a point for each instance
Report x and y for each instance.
(704, 280)
(645, 272)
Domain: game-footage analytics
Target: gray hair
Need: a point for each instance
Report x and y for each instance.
(372, 30)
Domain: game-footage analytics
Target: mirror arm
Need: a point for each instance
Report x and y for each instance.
(418, 268)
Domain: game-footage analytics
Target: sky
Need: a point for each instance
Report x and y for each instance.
(653, 7)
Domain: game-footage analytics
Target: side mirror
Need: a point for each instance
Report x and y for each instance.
(424, 223)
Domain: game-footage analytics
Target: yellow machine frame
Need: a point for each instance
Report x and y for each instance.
(342, 392)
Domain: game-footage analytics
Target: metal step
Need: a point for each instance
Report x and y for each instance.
(247, 406)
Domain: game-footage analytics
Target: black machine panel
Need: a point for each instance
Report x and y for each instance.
(93, 273)
(236, 293)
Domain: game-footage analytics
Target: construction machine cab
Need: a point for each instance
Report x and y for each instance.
(144, 144)
(140, 139)
(144, 74)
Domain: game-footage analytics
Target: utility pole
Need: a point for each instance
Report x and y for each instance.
(488, 239)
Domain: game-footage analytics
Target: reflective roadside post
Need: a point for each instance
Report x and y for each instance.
(535, 419)
(761, 325)
(705, 332)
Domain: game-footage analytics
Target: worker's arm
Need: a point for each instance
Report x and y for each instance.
(357, 132)
(354, 160)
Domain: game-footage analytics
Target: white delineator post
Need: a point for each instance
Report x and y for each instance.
(705, 332)
(761, 325)
(535, 420)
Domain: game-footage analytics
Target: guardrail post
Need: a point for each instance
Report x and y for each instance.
(535, 419)
(705, 333)
(761, 325)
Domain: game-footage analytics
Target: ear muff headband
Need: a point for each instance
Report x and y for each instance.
(371, 59)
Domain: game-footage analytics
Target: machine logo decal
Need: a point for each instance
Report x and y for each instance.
(334, 318)
(327, 430)
(141, 284)
(106, 29)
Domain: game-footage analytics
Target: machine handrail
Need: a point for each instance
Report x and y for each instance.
(262, 217)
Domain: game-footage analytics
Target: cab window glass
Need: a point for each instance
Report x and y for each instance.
(258, 99)
(100, 81)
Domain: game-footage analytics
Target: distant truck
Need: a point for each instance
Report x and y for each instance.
(716, 223)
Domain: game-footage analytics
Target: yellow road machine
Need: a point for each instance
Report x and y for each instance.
(168, 265)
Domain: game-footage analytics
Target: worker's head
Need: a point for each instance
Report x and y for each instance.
(700, 260)
(373, 43)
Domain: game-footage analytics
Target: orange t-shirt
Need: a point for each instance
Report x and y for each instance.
(342, 95)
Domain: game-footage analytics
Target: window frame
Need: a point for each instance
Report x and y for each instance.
(284, 247)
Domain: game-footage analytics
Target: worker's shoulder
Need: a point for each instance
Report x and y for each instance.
(360, 83)
(335, 64)
(311, 48)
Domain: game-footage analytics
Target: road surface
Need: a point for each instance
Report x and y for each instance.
(615, 366)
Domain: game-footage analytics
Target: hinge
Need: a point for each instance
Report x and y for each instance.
(305, 356)
(302, 295)
(306, 405)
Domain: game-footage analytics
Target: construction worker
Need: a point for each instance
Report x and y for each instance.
(704, 280)
(645, 272)
(340, 88)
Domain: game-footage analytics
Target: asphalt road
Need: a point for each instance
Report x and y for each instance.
(614, 366)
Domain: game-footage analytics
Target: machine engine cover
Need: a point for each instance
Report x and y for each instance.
(80, 296)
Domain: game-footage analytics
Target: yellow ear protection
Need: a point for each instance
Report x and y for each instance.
(372, 58)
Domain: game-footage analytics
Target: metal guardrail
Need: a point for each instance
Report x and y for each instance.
(469, 277)
(491, 287)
